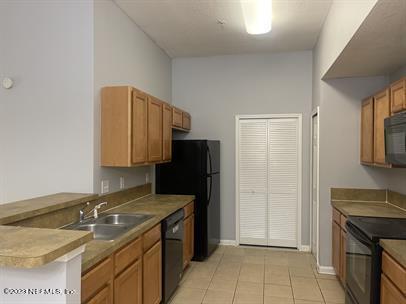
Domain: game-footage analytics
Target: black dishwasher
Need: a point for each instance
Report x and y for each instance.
(172, 253)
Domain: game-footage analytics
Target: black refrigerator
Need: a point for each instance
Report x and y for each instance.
(195, 169)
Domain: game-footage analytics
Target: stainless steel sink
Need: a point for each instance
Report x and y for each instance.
(101, 231)
(110, 226)
(123, 219)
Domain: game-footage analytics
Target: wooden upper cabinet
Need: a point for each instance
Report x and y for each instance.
(398, 96)
(152, 275)
(367, 131)
(186, 121)
(116, 126)
(139, 127)
(381, 111)
(167, 132)
(154, 129)
(177, 118)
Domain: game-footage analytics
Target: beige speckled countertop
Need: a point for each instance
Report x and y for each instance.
(377, 209)
(32, 247)
(160, 206)
(16, 211)
(396, 248)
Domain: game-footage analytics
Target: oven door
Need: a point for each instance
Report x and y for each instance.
(359, 258)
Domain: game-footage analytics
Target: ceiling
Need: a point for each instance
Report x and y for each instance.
(185, 28)
(379, 45)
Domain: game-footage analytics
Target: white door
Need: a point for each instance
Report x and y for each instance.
(268, 152)
(283, 174)
(253, 181)
(315, 190)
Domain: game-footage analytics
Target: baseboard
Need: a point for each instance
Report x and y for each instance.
(305, 248)
(228, 242)
(325, 269)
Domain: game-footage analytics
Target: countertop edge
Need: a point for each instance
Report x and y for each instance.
(48, 257)
(398, 256)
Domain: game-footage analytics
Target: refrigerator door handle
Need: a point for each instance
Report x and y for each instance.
(211, 185)
(209, 154)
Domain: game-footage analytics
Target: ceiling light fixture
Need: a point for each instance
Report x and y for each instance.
(257, 16)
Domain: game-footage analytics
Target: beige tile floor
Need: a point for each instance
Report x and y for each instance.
(245, 275)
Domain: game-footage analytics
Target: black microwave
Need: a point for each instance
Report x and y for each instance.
(395, 139)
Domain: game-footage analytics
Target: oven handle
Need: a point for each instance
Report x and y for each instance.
(359, 235)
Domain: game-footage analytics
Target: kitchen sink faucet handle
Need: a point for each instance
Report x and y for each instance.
(96, 208)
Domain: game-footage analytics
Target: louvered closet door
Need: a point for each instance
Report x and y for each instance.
(283, 169)
(253, 181)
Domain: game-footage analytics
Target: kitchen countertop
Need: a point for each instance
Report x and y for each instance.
(396, 248)
(160, 206)
(17, 211)
(376, 209)
(32, 247)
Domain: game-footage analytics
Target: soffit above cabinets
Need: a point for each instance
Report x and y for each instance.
(186, 28)
(379, 45)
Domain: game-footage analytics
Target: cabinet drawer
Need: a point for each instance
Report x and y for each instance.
(336, 216)
(188, 209)
(127, 255)
(389, 293)
(151, 237)
(96, 278)
(395, 272)
(343, 220)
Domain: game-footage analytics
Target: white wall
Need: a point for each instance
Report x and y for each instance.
(215, 89)
(46, 120)
(124, 55)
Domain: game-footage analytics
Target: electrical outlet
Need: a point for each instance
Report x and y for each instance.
(147, 178)
(105, 186)
(122, 185)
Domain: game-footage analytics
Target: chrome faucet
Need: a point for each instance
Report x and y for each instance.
(95, 211)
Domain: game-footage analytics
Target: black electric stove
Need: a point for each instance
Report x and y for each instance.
(363, 255)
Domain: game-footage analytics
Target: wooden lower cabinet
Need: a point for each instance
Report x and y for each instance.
(102, 297)
(343, 251)
(339, 245)
(336, 237)
(152, 275)
(128, 285)
(188, 242)
(131, 275)
(390, 294)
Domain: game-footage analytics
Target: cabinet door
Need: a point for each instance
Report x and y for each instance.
(187, 225)
(389, 293)
(152, 275)
(177, 118)
(128, 285)
(343, 249)
(398, 96)
(167, 132)
(336, 248)
(154, 130)
(139, 127)
(192, 238)
(381, 111)
(367, 131)
(103, 297)
(186, 121)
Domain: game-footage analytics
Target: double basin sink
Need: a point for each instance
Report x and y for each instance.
(110, 226)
